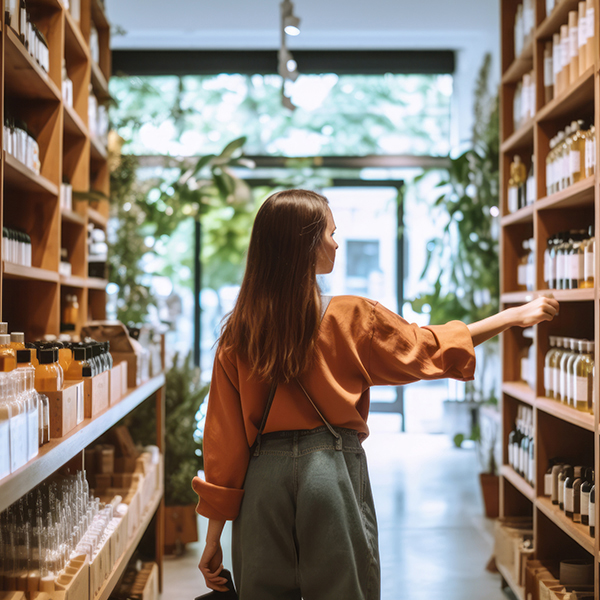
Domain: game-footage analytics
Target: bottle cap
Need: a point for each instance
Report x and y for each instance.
(17, 337)
(46, 356)
(23, 356)
(3, 327)
(4, 339)
(79, 353)
(96, 350)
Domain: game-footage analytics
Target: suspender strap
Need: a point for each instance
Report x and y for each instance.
(264, 419)
(334, 433)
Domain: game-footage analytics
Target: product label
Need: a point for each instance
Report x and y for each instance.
(548, 73)
(565, 51)
(513, 200)
(560, 266)
(592, 513)
(588, 265)
(573, 43)
(569, 500)
(582, 32)
(556, 380)
(549, 176)
(546, 266)
(4, 447)
(556, 60)
(547, 380)
(585, 503)
(530, 277)
(574, 162)
(548, 484)
(563, 385)
(589, 21)
(583, 389)
(575, 266)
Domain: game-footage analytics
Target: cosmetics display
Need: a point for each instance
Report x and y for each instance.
(524, 24)
(569, 260)
(521, 445)
(16, 14)
(572, 489)
(97, 252)
(569, 372)
(97, 119)
(524, 102)
(16, 247)
(572, 157)
(20, 143)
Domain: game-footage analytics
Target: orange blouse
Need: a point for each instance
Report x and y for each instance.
(360, 344)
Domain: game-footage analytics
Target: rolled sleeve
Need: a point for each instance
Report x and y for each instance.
(217, 502)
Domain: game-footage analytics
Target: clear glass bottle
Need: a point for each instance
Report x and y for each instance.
(575, 260)
(590, 154)
(27, 370)
(555, 361)
(561, 262)
(584, 377)
(17, 340)
(530, 267)
(49, 376)
(568, 344)
(577, 153)
(589, 252)
(548, 379)
(564, 159)
(550, 158)
(586, 487)
(570, 380)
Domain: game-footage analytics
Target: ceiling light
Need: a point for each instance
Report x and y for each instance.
(291, 25)
(288, 67)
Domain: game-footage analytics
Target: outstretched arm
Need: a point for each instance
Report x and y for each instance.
(526, 315)
(211, 563)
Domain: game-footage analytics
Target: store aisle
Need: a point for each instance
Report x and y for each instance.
(434, 543)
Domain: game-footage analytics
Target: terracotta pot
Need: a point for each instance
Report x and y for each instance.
(490, 489)
(181, 527)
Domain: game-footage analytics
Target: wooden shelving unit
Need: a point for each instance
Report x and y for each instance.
(560, 431)
(31, 297)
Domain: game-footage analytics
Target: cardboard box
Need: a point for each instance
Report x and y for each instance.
(115, 384)
(96, 392)
(64, 413)
(134, 366)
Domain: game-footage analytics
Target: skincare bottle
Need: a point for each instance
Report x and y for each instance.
(8, 357)
(17, 340)
(548, 73)
(586, 487)
(48, 374)
(79, 367)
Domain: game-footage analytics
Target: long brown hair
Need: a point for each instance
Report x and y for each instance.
(275, 321)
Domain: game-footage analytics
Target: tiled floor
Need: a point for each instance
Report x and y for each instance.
(434, 542)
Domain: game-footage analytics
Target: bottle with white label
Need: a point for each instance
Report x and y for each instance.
(562, 476)
(586, 487)
(548, 73)
(583, 383)
(555, 361)
(571, 372)
(556, 63)
(531, 477)
(548, 379)
(555, 491)
(530, 267)
(577, 484)
(582, 37)
(573, 47)
(569, 344)
(592, 511)
(590, 21)
(590, 151)
(589, 251)
(568, 491)
(577, 152)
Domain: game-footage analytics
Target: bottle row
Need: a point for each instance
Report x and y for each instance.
(524, 25)
(568, 261)
(521, 445)
(19, 142)
(571, 51)
(524, 105)
(16, 247)
(522, 188)
(573, 490)
(572, 157)
(569, 372)
(17, 16)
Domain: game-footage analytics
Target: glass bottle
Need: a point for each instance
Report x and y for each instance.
(17, 340)
(548, 381)
(8, 357)
(31, 346)
(25, 367)
(548, 263)
(561, 263)
(548, 76)
(584, 377)
(592, 509)
(49, 375)
(70, 314)
(80, 367)
(570, 376)
(577, 153)
(530, 267)
(589, 252)
(575, 260)
(550, 158)
(567, 344)
(568, 492)
(563, 159)
(555, 361)
(586, 487)
(590, 153)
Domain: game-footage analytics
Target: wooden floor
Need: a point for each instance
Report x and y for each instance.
(434, 541)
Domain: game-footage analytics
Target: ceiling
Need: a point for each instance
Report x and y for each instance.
(343, 24)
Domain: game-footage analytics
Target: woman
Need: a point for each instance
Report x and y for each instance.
(299, 495)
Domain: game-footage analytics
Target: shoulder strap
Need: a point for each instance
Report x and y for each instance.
(334, 433)
(265, 417)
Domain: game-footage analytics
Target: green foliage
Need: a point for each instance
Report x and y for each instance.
(458, 439)
(183, 458)
(465, 257)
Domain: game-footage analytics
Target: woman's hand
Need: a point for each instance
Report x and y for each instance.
(211, 565)
(534, 312)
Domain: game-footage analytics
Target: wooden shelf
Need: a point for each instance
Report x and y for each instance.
(516, 297)
(99, 16)
(98, 151)
(521, 138)
(94, 283)
(99, 83)
(17, 175)
(14, 271)
(517, 481)
(583, 295)
(577, 532)
(97, 219)
(73, 281)
(23, 77)
(519, 390)
(74, 125)
(520, 66)
(73, 217)
(565, 413)
(517, 590)
(571, 103)
(578, 194)
(523, 215)
(558, 17)
(107, 589)
(59, 451)
(74, 39)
